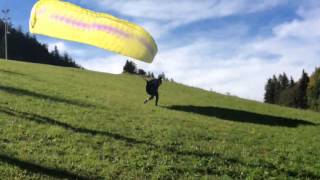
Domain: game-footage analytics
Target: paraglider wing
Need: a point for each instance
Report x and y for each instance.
(67, 21)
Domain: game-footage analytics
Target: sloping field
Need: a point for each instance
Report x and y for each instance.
(76, 124)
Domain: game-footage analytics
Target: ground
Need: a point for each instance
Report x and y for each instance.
(76, 124)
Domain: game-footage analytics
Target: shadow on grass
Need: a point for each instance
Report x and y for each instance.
(46, 120)
(24, 92)
(219, 159)
(34, 168)
(11, 72)
(241, 116)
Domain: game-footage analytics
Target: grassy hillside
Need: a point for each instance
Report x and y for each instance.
(70, 123)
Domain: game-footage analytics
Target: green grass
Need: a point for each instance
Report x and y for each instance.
(70, 123)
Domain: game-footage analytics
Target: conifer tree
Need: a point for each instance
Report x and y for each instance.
(302, 99)
(269, 92)
(130, 67)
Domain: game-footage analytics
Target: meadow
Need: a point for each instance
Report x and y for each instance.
(76, 124)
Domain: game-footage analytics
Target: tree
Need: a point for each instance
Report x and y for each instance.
(302, 100)
(292, 83)
(163, 75)
(313, 90)
(150, 75)
(25, 47)
(284, 81)
(273, 90)
(55, 52)
(269, 94)
(289, 97)
(277, 89)
(130, 67)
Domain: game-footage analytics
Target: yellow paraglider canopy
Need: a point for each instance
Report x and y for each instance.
(67, 21)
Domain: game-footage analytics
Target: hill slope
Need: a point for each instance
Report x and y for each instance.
(70, 123)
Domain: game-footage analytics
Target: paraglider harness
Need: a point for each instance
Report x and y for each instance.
(152, 86)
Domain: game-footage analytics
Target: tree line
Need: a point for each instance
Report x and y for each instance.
(25, 47)
(304, 94)
(131, 68)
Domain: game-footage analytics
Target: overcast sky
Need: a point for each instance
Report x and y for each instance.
(224, 45)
